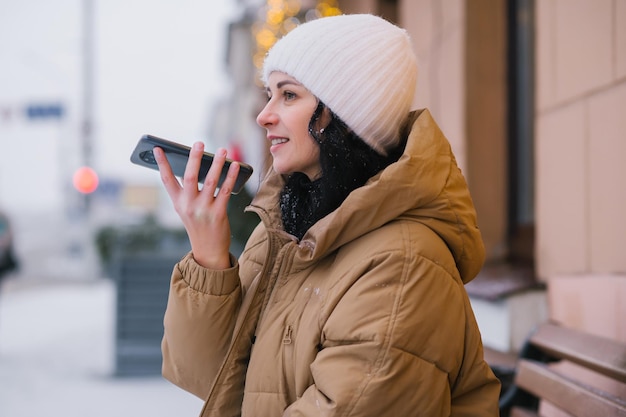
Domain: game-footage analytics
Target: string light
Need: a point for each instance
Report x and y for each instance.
(278, 17)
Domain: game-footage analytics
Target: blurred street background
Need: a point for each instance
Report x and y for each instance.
(80, 82)
(57, 355)
(87, 239)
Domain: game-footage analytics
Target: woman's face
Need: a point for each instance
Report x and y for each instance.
(286, 118)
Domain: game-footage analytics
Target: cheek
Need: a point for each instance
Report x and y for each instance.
(314, 147)
(303, 126)
(312, 153)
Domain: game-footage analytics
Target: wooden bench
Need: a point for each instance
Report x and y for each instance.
(537, 378)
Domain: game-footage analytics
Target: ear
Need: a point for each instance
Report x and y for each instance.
(325, 118)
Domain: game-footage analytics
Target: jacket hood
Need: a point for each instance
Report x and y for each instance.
(425, 185)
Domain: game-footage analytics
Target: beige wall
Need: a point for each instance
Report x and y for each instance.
(486, 121)
(581, 161)
(437, 30)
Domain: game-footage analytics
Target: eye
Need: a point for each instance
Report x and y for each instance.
(289, 95)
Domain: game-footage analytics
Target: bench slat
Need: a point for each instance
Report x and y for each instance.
(565, 393)
(603, 355)
(520, 412)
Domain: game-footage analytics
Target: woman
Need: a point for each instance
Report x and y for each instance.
(348, 299)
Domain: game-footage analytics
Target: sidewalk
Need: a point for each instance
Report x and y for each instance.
(56, 356)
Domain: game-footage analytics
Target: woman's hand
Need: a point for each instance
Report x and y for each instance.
(202, 212)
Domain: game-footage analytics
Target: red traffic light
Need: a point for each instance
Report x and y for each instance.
(85, 180)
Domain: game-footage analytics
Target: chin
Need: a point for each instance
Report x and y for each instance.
(281, 169)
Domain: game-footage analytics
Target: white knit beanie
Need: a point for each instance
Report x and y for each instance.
(361, 66)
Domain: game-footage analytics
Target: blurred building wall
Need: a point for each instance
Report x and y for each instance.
(581, 161)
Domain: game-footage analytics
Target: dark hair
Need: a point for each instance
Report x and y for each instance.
(347, 163)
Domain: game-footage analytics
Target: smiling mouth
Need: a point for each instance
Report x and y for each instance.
(278, 141)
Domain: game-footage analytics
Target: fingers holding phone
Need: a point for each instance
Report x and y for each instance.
(167, 176)
(190, 177)
(215, 176)
(202, 210)
(195, 164)
(177, 157)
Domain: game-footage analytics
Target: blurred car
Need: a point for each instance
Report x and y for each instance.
(7, 257)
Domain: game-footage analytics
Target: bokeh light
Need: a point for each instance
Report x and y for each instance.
(278, 17)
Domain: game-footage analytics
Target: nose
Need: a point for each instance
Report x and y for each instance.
(267, 116)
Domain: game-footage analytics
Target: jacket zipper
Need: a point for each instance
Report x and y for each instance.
(287, 336)
(288, 361)
(271, 287)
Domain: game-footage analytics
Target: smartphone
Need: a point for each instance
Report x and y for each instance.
(178, 154)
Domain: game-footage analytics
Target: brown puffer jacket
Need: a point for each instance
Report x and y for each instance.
(366, 316)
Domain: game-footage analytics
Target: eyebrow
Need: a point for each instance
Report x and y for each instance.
(281, 84)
